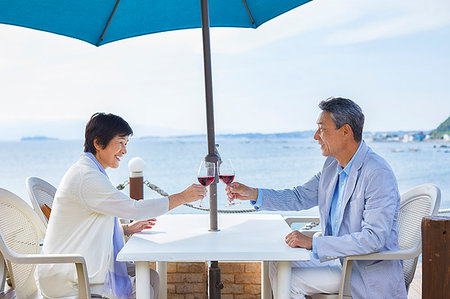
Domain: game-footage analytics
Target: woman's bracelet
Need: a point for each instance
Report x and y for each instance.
(125, 228)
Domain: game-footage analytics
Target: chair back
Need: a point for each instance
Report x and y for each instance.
(20, 233)
(415, 204)
(40, 192)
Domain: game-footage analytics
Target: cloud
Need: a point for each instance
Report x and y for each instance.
(310, 17)
(395, 18)
(157, 79)
(341, 22)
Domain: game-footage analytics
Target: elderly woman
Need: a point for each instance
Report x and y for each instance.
(85, 213)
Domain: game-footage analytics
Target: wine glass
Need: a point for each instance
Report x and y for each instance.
(206, 175)
(226, 175)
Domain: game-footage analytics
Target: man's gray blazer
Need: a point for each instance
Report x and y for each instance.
(369, 221)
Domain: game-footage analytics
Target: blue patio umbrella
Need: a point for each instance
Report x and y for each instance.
(99, 22)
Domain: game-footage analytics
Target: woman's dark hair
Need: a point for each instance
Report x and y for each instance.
(104, 127)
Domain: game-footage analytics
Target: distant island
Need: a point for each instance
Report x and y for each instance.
(37, 138)
(442, 130)
(296, 134)
(441, 133)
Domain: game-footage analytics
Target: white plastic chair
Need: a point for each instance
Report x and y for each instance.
(3, 272)
(40, 193)
(415, 204)
(20, 233)
(310, 228)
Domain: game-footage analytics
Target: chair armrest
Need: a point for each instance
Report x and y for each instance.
(311, 233)
(46, 259)
(301, 219)
(80, 264)
(344, 287)
(387, 255)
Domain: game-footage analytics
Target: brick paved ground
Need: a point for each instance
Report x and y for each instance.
(241, 280)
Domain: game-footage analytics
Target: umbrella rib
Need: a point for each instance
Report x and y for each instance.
(248, 11)
(107, 24)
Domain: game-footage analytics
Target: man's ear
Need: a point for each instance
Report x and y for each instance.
(347, 130)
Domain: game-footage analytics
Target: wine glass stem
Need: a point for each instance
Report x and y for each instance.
(232, 202)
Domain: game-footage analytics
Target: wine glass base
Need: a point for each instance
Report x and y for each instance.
(233, 203)
(200, 204)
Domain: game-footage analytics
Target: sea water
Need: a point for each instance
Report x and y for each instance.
(259, 161)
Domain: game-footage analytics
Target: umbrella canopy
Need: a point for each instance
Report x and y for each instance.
(99, 22)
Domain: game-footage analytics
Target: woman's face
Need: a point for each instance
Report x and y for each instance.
(110, 155)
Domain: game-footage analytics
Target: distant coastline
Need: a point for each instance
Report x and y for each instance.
(440, 134)
(390, 136)
(297, 134)
(385, 136)
(32, 138)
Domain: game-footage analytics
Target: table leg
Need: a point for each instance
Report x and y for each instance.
(143, 280)
(284, 280)
(161, 268)
(266, 290)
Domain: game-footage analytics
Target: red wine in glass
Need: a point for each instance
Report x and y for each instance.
(206, 175)
(227, 178)
(226, 175)
(206, 180)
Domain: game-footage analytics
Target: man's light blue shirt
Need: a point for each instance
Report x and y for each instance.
(257, 204)
(336, 203)
(338, 198)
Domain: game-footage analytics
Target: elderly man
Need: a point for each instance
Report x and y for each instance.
(358, 200)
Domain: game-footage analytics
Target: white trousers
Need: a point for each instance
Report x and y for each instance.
(154, 280)
(310, 277)
(131, 269)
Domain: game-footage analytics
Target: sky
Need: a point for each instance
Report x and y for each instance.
(390, 57)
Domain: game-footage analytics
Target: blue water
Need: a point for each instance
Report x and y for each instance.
(269, 162)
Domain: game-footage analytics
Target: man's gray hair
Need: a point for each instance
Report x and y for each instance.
(344, 111)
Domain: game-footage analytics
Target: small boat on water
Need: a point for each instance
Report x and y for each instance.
(397, 150)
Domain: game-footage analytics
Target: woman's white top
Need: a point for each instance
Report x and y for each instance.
(82, 222)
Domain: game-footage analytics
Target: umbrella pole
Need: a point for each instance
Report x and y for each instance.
(215, 286)
(212, 156)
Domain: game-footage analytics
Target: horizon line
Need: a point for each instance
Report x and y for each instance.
(50, 138)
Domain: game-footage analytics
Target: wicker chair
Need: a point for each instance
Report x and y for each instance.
(40, 193)
(20, 233)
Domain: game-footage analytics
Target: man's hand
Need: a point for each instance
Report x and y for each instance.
(240, 191)
(138, 226)
(297, 239)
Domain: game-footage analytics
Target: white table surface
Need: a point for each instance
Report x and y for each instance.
(242, 237)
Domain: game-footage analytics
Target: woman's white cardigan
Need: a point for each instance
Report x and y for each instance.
(82, 222)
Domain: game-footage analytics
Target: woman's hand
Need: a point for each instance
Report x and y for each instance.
(138, 226)
(192, 193)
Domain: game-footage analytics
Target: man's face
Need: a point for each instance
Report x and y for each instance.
(329, 138)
